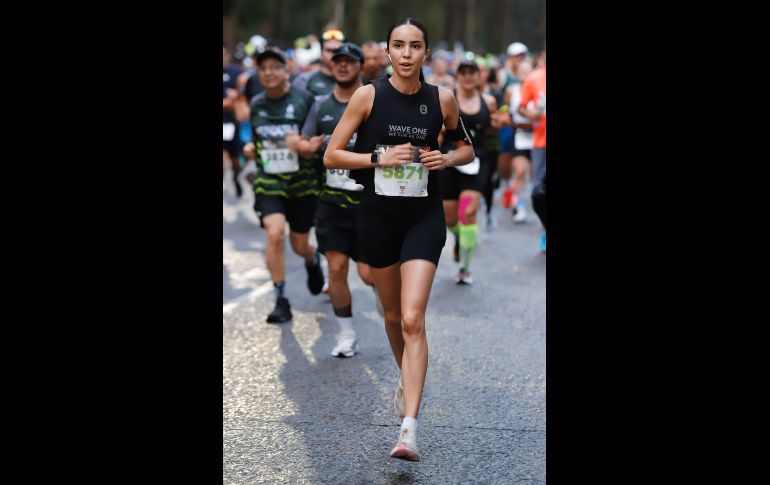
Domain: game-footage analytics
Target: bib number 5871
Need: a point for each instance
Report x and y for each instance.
(400, 172)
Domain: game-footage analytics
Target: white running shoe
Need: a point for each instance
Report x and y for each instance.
(406, 448)
(467, 278)
(377, 301)
(463, 277)
(459, 276)
(520, 215)
(346, 345)
(398, 399)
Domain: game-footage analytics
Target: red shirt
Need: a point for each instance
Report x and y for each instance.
(530, 91)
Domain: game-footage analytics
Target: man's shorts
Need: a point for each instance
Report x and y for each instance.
(299, 212)
(335, 230)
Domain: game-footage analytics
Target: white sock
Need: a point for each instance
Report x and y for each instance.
(346, 324)
(410, 423)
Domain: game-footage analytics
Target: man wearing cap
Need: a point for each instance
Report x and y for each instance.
(337, 205)
(321, 81)
(286, 185)
(517, 53)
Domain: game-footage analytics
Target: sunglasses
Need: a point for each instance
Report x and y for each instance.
(333, 34)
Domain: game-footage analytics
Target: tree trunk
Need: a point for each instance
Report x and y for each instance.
(470, 25)
(449, 14)
(230, 23)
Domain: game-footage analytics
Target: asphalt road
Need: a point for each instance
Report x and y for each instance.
(295, 414)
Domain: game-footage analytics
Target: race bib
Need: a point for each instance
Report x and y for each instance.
(338, 178)
(470, 168)
(276, 158)
(523, 139)
(408, 180)
(228, 131)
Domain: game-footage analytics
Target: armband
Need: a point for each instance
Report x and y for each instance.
(459, 133)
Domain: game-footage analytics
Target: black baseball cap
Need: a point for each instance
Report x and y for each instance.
(351, 50)
(273, 52)
(468, 63)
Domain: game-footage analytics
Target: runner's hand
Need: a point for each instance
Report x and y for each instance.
(398, 155)
(315, 142)
(433, 160)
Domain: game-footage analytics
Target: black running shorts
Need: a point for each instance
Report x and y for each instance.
(299, 212)
(335, 230)
(402, 235)
(452, 181)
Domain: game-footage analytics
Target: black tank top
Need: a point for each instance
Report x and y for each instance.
(397, 118)
(477, 125)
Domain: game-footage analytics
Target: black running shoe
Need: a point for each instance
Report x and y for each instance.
(281, 313)
(315, 277)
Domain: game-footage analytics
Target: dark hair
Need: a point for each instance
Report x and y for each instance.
(419, 25)
(492, 77)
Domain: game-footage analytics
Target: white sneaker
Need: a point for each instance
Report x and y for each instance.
(463, 278)
(406, 448)
(520, 216)
(398, 399)
(346, 345)
(378, 303)
(467, 278)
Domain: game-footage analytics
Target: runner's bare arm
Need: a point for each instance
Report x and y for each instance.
(358, 109)
(462, 152)
(307, 146)
(241, 104)
(228, 103)
(495, 118)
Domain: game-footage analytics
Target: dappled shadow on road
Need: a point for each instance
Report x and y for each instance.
(228, 292)
(337, 400)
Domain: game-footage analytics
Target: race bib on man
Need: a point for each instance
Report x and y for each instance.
(407, 180)
(276, 158)
(338, 178)
(228, 131)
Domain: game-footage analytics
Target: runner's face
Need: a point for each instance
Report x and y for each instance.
(523, 70)
(329, 46)
(483, 75)
(407, 50)
(345, 69)
(440, 66)
(272, 73)
(384, 62)
(371, 65)
(468, 78)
